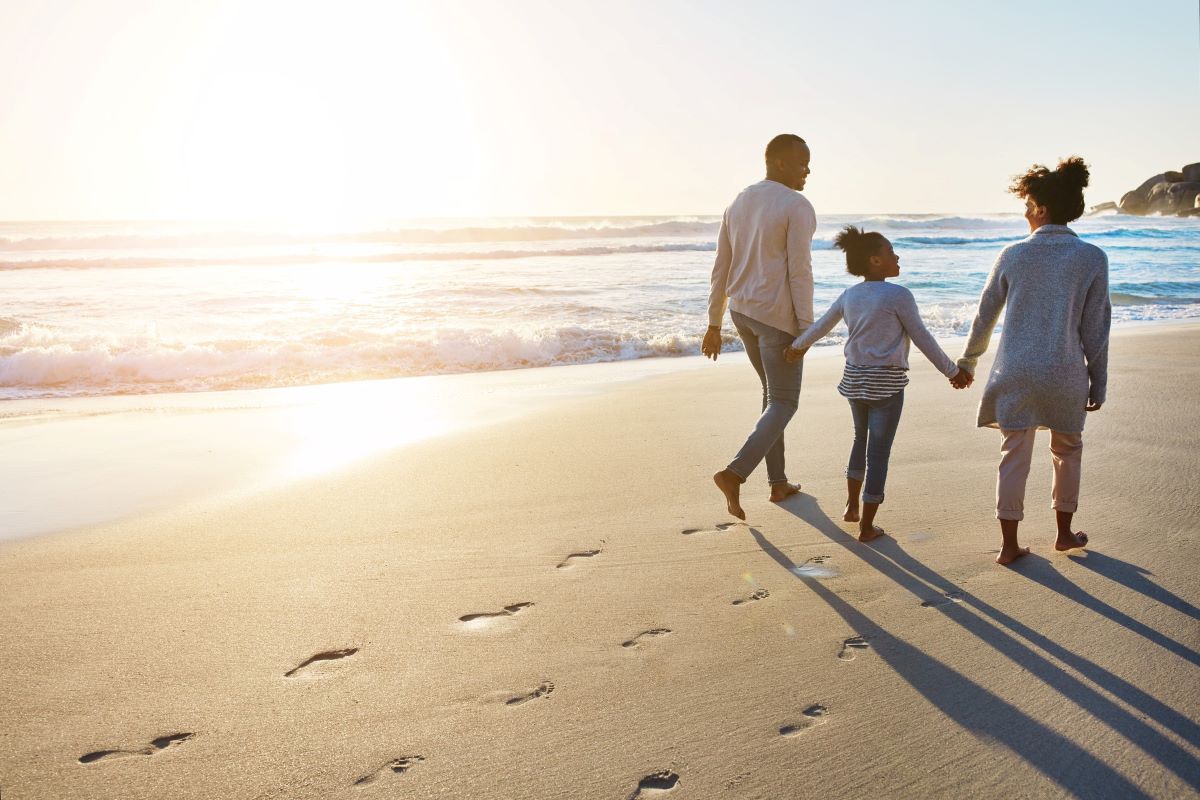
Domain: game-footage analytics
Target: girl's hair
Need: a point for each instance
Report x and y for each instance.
(859, 246)
(1060, 190)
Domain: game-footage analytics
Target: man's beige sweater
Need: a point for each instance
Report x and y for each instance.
(764, 258)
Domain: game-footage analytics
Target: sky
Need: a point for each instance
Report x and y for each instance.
(256, 109)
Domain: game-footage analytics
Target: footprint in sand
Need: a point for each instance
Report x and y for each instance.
(847, 653)
(482, 620)
(812, 716)
(721, 528)
(655, 784)
(945, 599)
(761, 594)
(566, 563)
(543, 690)
(397, 766)
(653, 632)
(156, 746)
(815, 568)
(328, 655)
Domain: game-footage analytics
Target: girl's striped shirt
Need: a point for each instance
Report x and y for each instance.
(872, 383)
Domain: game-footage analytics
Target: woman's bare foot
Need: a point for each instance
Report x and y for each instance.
(1070, 541)
(1008, 556)
(851, 514)
(870, 534)
(731, 486)
(782, 491)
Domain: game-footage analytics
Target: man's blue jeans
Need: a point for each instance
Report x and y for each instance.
(781, 394)
(875, 423)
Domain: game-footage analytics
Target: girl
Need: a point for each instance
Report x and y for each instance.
(882, 318)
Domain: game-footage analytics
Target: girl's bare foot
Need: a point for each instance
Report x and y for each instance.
(867, 529)
(1070, 541)
(853, 489)
(731, 486)
(782, 491)
(1007, 556)
(870, 534)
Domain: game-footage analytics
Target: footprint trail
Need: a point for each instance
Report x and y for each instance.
(849, 646)
(813, 715)
(653, 632)
(655, 784)
(328, 655)
(566, 563)
(543, 690)
(479, 620)
(815, 568)
(156, 746)
(397, 766)
(945, 599)
(761, 594)
(720, 528)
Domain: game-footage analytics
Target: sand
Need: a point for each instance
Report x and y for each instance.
(556, 605)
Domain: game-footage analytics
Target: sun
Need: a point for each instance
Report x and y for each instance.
(366, 113)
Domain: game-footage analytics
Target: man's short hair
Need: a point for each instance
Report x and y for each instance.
(782, 144)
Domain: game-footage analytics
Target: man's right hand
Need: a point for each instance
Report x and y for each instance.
(711, 346)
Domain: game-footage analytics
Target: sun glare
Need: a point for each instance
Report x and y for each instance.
(335, 426)
(341, 117)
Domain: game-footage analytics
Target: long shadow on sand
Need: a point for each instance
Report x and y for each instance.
(1185, 727)
(1133, 577)
(977, 709)
(1042, 572)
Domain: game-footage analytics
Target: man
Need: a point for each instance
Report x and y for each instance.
(763, 272)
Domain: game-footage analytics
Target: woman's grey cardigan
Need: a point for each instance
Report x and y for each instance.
(1053, 355)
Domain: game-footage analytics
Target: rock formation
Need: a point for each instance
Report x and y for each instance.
(1168, 193)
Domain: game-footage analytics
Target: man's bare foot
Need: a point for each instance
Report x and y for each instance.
(730, 486)
(870, 534)
(1008, 556)
(851, 514)
(1070, 541)
(782, 491)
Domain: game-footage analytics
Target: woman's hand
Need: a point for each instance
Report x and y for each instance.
(792, 355)
(962, 379)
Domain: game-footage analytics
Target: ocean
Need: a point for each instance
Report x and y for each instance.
(102, 308)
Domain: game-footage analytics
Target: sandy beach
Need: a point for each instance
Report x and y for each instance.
(553, 604)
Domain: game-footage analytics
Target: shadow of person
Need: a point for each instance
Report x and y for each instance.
(1148, 704)
(891, 560)
(1044, 574)
(1132, 577)
(969, 704)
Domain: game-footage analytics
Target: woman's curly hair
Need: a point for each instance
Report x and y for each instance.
(1060, 190)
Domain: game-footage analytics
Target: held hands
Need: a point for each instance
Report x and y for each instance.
(962, 379)
(711, 346)
(792, 355)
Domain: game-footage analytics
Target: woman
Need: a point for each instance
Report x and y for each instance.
(1052, 364)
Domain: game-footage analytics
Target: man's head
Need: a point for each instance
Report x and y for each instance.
(787, 160)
